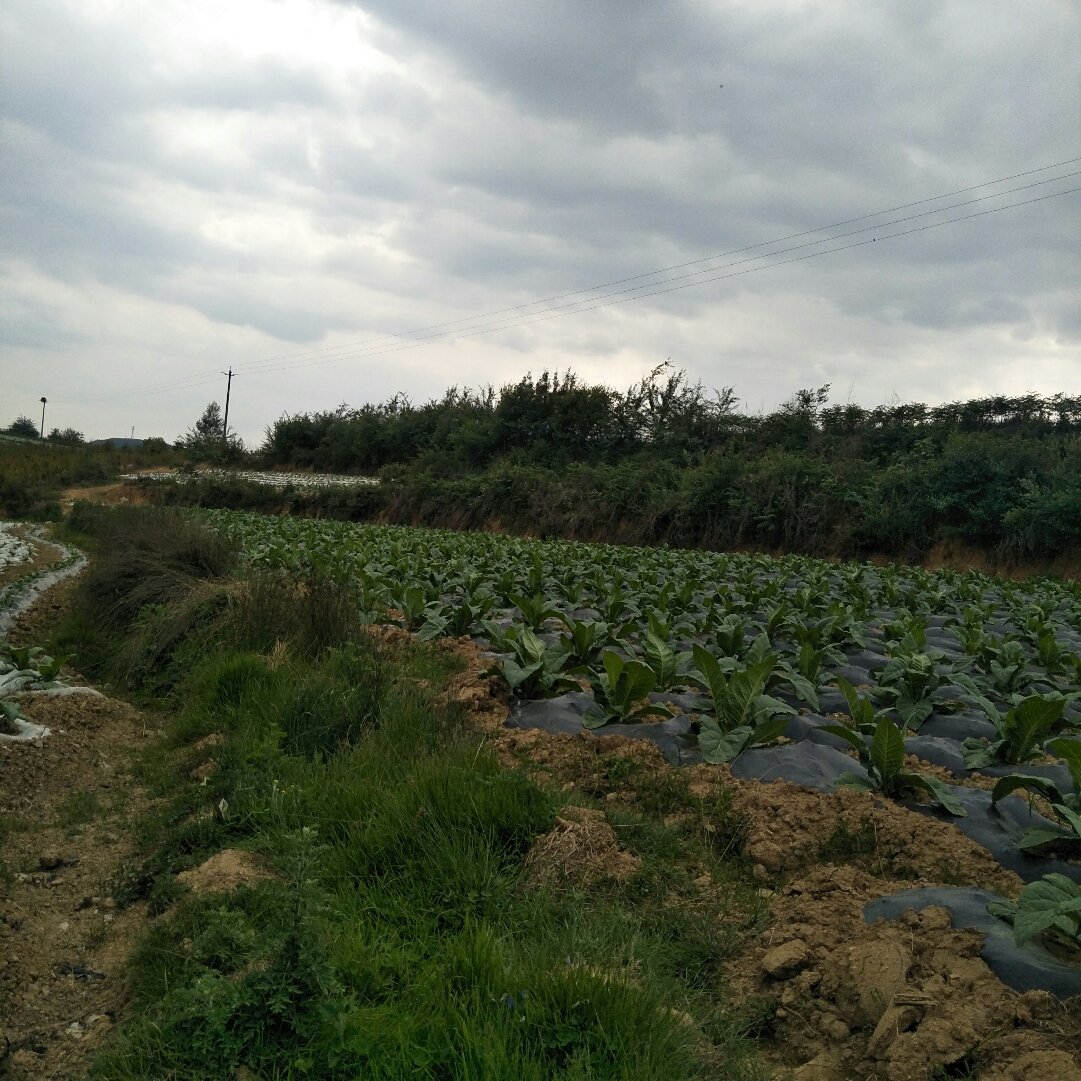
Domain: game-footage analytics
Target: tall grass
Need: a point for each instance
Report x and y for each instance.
(398, 937)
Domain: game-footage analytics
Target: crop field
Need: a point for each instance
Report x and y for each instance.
(271, 479)
(904, 903)
(713, 655)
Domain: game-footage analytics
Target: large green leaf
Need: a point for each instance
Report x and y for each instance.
(1017, 781)
(861, 710)
(1070, 750)
(638, 679)
(516, 674)
(660, 658)
(1052, 901)
(1036, 839)
(847, 734)
(936, 789)
(979, 753)
(613, 666)
(719, 745)
(763, 707)
(713, 678)
(769, 730)
(887, 750)
(1028, 724)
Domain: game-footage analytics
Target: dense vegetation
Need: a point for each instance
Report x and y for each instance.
(668, 462)
(33, 471)
(728, 646)
(402, 935)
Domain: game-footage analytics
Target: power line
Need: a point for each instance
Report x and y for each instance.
(476, 325)
(544, 316)
(695, 262)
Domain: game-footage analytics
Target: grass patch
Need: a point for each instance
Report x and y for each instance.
(398, 938)
(79, 809)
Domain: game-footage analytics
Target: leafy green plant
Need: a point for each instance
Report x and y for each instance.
(1007, 667)
(1065, 805)
(1021, 731)
(883, 762)
(9, 714)
(669, 668)
(534, 670)
(585, 640)
(743, 714)
(907, 684)
(619, 689)
(456, 620)
(535, 608)
(864, 716)
(1049, 906)
(413, 605)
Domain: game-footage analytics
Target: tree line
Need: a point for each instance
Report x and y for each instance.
(669, 462)
(556, 420)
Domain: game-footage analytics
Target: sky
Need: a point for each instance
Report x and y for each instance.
(341, 201)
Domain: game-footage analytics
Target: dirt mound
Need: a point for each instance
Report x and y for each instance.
(896, 999)
(581, 850)
(787, 827)
(225, 870)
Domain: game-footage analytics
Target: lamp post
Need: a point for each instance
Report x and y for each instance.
(43, 401)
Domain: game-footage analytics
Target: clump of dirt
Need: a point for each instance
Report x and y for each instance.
(225, 870)
(579, 851)
(897, 999)
(68, 805)
(787, 827)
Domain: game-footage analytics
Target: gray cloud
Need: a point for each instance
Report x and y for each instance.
(185, 183)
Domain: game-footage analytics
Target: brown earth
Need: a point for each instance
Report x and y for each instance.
(110, 495)
(225, 870)
(69, 805)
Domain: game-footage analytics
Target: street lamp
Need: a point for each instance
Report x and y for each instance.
(43, 401)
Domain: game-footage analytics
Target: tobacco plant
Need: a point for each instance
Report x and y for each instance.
(1066, 806)
(884, 761)
(1049, 906)
(620, 689)
(743, 714)
(1020, 732)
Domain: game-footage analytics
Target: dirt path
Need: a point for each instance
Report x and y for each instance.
(69, 806)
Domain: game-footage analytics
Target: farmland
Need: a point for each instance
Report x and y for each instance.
(546, 808)
(925, 645)
(738, 659)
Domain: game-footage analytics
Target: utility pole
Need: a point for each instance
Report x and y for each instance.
(43, 401)
(225, 424)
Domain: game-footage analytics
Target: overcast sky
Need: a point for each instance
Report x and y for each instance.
(300, 189)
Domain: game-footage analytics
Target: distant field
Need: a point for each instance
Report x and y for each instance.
(270, 479)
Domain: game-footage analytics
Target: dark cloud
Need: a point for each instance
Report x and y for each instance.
(372, 168)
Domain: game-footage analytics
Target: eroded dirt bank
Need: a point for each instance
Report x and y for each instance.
(70, 807)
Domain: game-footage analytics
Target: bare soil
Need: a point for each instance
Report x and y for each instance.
(110, 495)
(69, 804)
